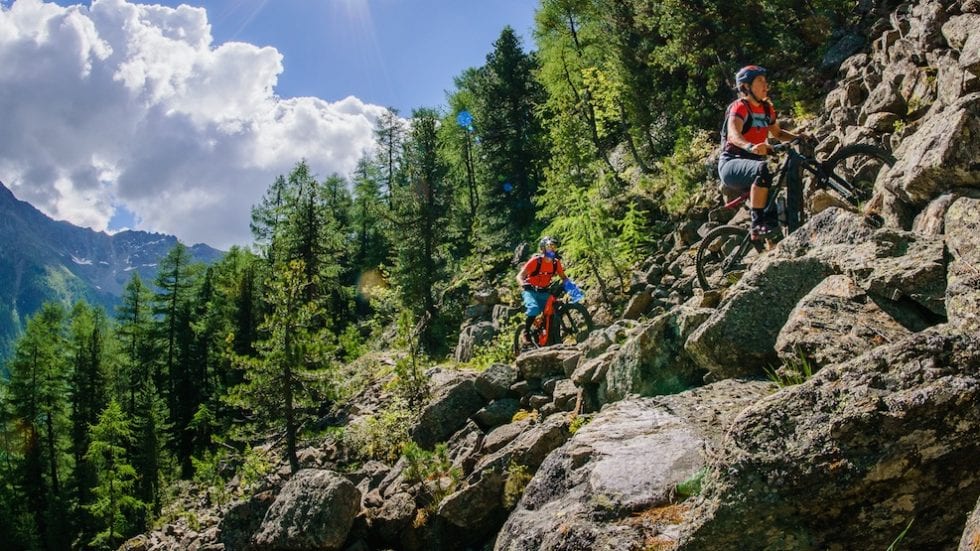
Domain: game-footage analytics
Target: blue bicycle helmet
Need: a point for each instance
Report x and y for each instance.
(747, 74)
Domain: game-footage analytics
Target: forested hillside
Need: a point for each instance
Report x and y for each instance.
(208, 386)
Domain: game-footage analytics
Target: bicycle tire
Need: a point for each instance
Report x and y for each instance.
(852, 170)
(723, 251)
(574, 324)
(519, 345)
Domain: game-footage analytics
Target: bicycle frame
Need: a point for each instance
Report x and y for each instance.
(544, 320)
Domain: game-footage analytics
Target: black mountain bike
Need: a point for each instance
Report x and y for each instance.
(850, 173)
(561, 321)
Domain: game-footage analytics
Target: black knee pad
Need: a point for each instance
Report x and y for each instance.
(764, 179)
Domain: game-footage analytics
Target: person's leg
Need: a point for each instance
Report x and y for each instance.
(752, 175)
(532, 307)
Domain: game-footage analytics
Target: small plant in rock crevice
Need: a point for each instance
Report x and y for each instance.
(793, 372)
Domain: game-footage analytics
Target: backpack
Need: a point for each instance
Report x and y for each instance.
(537, 266)
(770, 116)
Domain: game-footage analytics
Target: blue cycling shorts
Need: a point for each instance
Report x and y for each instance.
(534, 301)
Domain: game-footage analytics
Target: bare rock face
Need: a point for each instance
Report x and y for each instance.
(314, 510)
(739, 339)
(971, 534)
(963, 242)
(939, 156)
(835, 322)
(848, 458)
(454, 398)
(627, 461)
(652, 360)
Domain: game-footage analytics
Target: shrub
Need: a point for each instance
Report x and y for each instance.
(382, 436)
(517, 480)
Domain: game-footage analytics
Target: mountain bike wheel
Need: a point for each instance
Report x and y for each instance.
(851, 172)
(519, 344)
(723, 252)
(574, 323)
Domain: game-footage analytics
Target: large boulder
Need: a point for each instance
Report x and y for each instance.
(453, 400)
(939, 156)
(314, 510)
(963, 286)
(847, 459)
(243, 519)
(625, 463)
(472, 337)
(835, 322)
(558, 360)
(739, 339)
(652, 361)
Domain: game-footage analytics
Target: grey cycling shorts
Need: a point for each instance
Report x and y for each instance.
(739, 174)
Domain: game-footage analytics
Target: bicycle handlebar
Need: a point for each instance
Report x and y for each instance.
(781, 147)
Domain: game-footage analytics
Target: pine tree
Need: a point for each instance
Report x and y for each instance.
(37, 391)
(366, 218)
(420, 212)
(306, 230)
(512, 141)
(113, 496)
(176, 280)
(289, 358)
(91, 360)
(135, 325)
(389, 135)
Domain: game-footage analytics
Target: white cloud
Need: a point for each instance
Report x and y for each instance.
(128, 105)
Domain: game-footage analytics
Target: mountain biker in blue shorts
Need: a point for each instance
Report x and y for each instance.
(535, 277)
(749, 121)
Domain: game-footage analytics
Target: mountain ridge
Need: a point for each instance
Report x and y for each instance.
(43, 259)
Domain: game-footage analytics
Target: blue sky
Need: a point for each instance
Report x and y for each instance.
(176, 118)
(398, 53)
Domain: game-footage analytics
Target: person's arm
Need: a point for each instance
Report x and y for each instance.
(560, 270)
(781, 133)
(521, 275)
(735, 137)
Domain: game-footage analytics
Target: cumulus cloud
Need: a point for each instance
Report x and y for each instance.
(122, 105)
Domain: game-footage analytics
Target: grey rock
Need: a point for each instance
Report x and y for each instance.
(845, 46)
(495, 381)
(653, 361)
(835, 322)
(314, 510)
(502, 435)
(970, 541)
(963, 285)
(497, 412)
(471, 337)
(740, 336)
(552, 360)
(453, 400)
(627, 460)
(877, 439)
(394, 516)
(930, 220)
(939, 156)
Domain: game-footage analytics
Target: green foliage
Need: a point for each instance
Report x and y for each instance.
(255, 466)
(290, 359)
(683, 174)
(517, 480)
(115, 494)
(434, 470)
(634, 235)
(380, 436)
(578, 421)
(793, 372)
(692, 486)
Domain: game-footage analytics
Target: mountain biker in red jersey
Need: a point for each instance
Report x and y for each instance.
(535, 277)
(749, 121)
